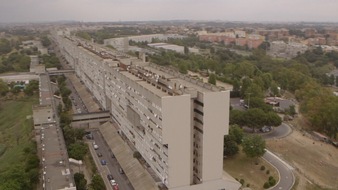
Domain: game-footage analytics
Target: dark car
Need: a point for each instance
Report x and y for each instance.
(266, 129)
(103, 162)
(110, 177)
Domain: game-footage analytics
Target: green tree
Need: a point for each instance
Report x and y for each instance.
(32, 87)
(45, 41)
(80, 181)
(3, 88)
(212, 79)
(237, 133)
(97, 183)
(255, 118)
(230, 146)
(273, 119)
(253, 146)
(77, 150)
(237, 117)
(183, 68)
(5, 46)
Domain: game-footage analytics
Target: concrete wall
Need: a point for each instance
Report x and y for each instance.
(215, 126)
(177, 133)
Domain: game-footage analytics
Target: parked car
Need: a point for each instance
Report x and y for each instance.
(103, 162)
(96, 147)
(110, 177)
(121, 171)
(266, 129)
(99, 154)
(112, 182)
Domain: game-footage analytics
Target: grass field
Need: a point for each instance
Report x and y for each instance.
(242, 167)
(15, 129)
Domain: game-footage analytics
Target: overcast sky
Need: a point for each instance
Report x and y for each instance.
(136, 10)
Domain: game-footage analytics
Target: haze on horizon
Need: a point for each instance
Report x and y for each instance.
(142, 10)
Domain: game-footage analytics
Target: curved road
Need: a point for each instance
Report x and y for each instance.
(286, 177)
(278, 132)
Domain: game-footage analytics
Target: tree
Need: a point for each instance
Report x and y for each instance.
(237, 117)
(212, 79)
(97, 183)
(273, 119)
(255, 118)
(5, 46)
(253, 146)
(236, 133)
(183, 68)
(3, 88)
(80, 181)
(230, 146)
(45, 41)
(77, 150)
(32, 87)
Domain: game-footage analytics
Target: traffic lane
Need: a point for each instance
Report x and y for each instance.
(103, 170)
(286, 177)
(278, 132)
(112, 163)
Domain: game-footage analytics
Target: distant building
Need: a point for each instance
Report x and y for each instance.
(122, 44)
(286, 50)
(172, 47)
(274, 34)
(239, 38)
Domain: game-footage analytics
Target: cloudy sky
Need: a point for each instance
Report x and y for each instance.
(136, 10)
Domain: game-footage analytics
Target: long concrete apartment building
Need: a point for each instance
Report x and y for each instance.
(177, 123)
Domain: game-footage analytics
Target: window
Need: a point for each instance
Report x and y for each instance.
(198, 103)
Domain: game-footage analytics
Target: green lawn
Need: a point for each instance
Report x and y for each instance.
(242, 167)
(15, 129)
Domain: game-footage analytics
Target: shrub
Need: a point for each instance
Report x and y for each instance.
(242, 181)
(272, 182)
(266, 185)
(248, 185)
(268, 172)
(262, 168)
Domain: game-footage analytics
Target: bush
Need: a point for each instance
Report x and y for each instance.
(262, 168)
(268, 172)
(248, 185)
(270, 178)
(242, 181)
(272, 182)
(266, 185)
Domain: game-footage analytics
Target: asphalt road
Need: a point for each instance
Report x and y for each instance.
(278, 132)
(286, 177)
(112, 166)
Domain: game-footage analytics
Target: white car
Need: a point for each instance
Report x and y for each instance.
(112, 182)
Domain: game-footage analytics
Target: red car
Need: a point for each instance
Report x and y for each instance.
(116, 186)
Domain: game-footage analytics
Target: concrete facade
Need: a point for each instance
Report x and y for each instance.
(177, 123)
